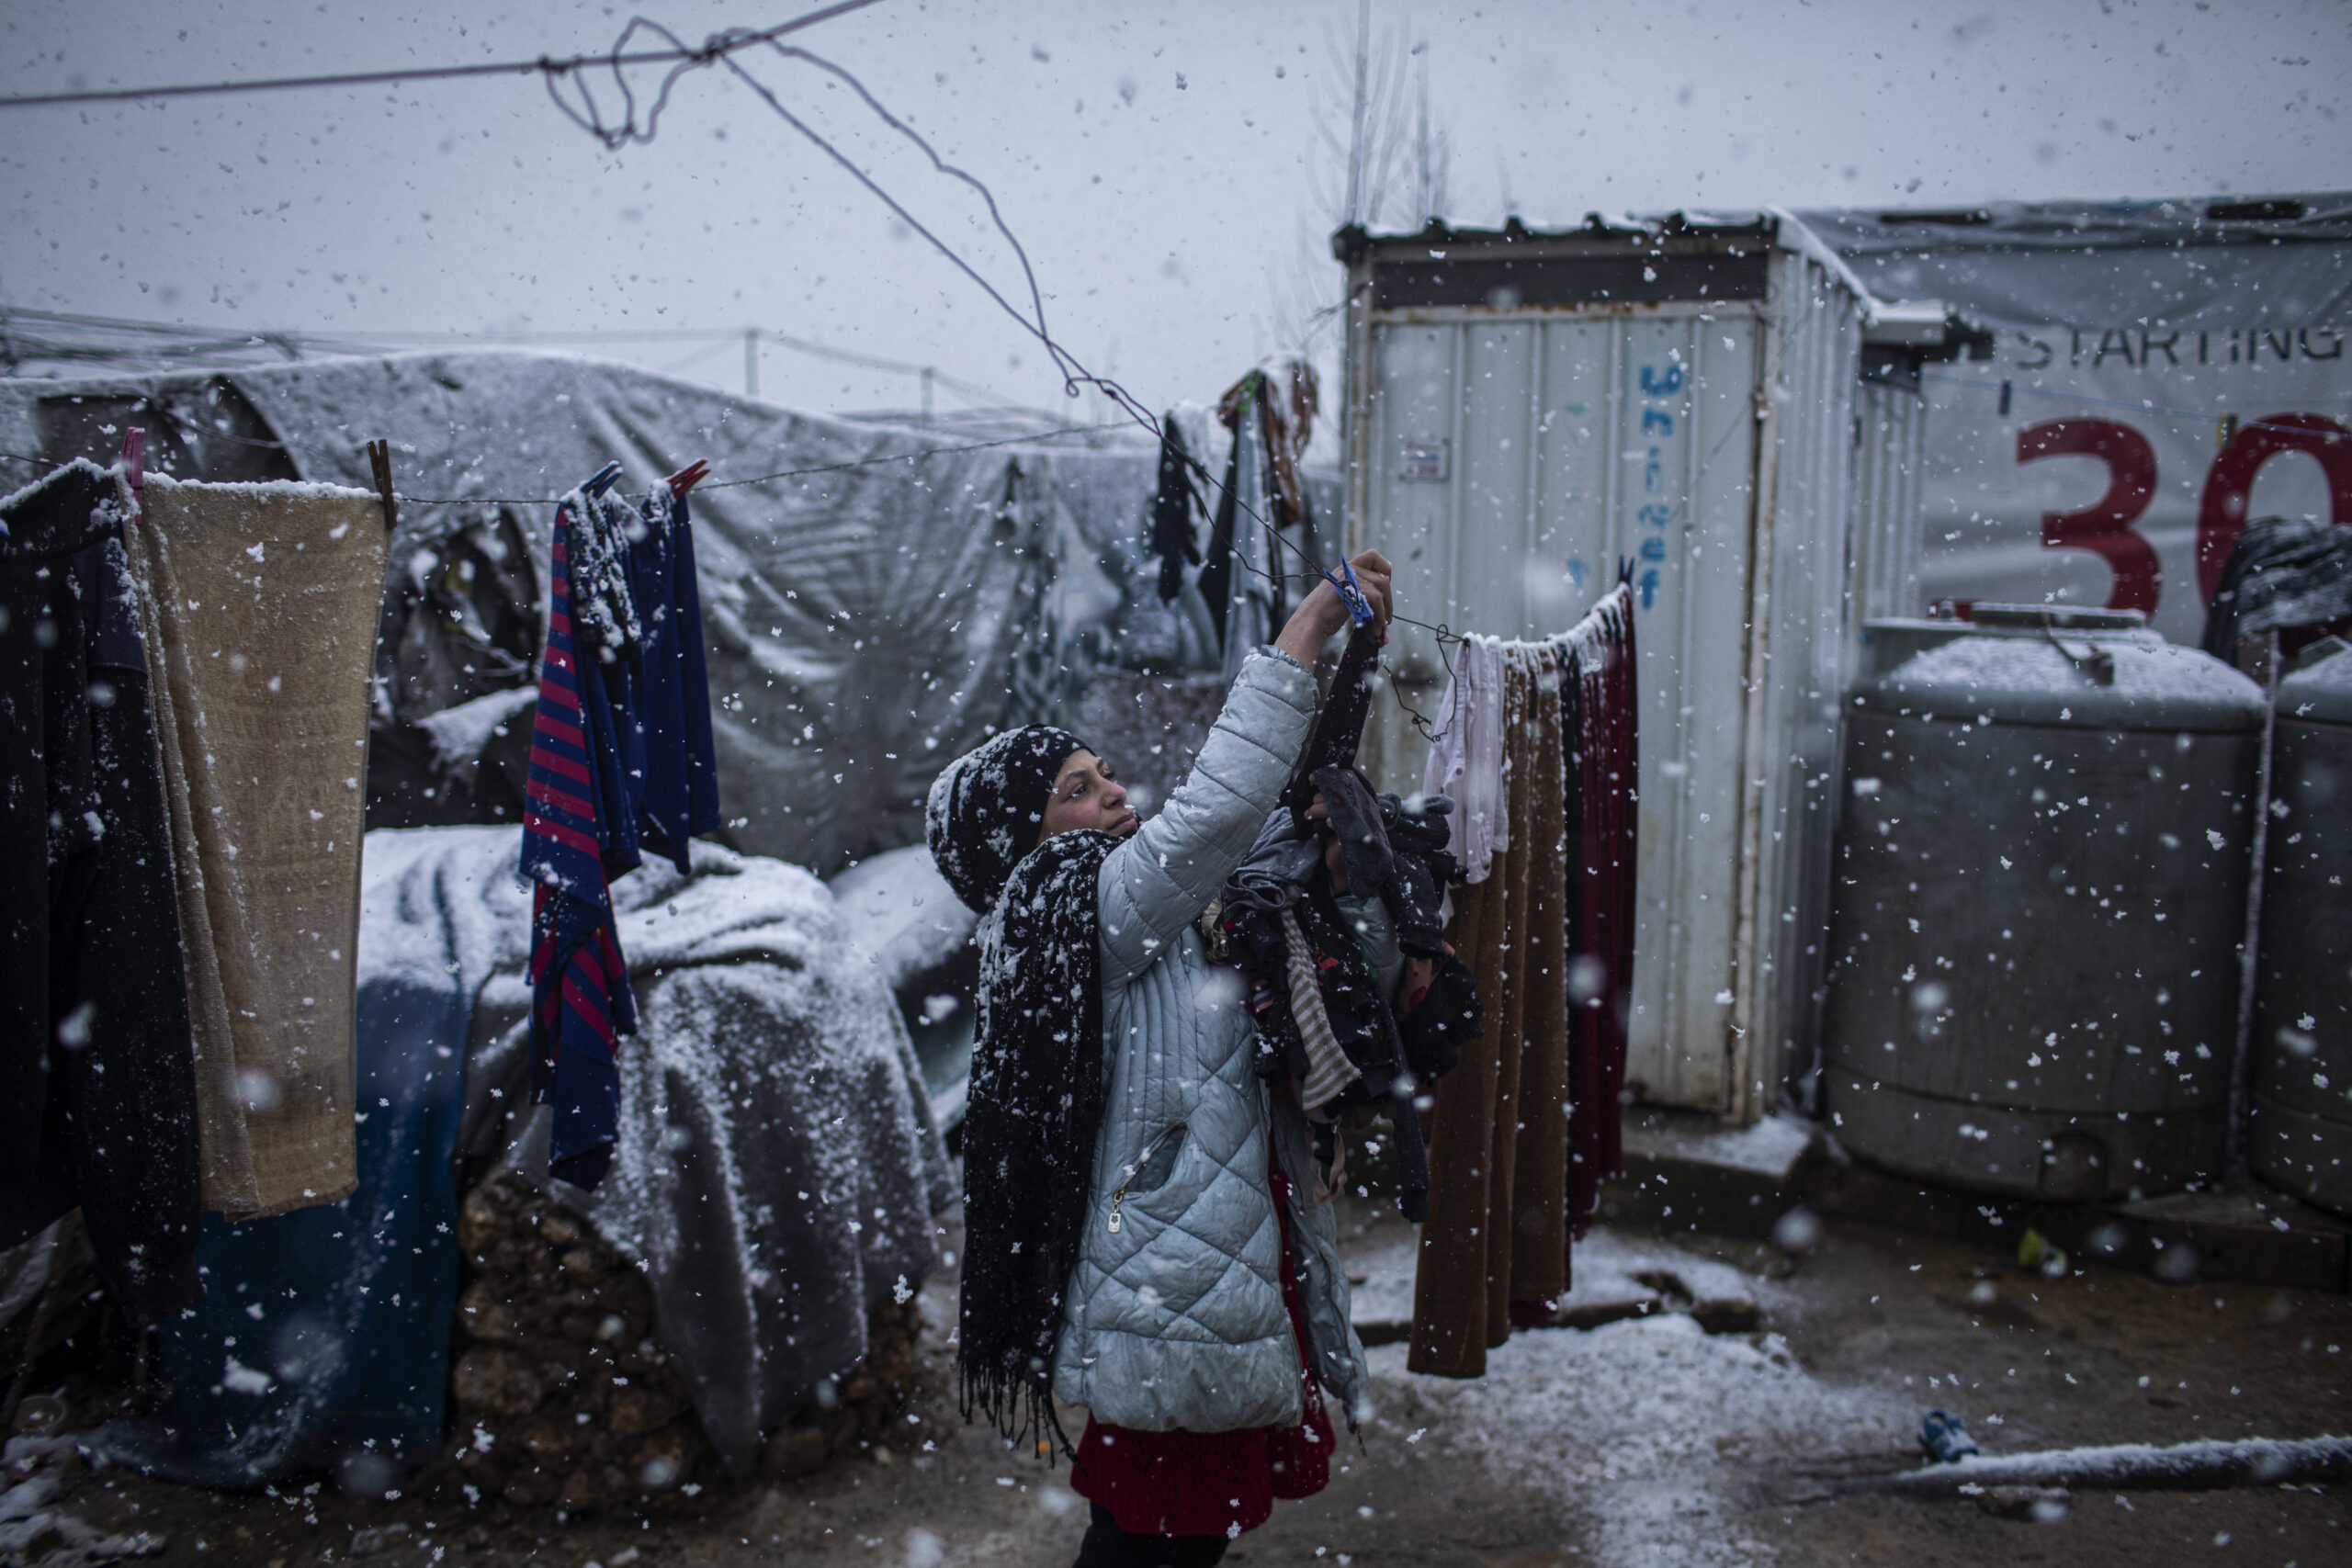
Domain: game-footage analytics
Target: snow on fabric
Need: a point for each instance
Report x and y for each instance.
(776, 1167)
(258, 608)
(899, 914)
(904, 921)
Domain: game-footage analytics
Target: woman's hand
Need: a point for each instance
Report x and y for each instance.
(1323, 612)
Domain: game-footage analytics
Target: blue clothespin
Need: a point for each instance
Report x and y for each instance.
(1352, 592)
(606, 477)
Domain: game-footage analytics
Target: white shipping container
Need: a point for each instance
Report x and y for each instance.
(1523, 412)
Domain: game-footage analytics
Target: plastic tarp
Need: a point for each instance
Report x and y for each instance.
(904, 922)
(868, 615)
(2168, 264)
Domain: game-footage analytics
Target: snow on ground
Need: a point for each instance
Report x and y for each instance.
(1648, 1428)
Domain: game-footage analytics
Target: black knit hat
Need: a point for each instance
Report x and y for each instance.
(987, 808)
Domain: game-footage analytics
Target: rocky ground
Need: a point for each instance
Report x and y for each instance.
(1701, 1410)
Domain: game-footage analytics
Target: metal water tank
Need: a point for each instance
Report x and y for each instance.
(2301, 1132)
(2039, 897)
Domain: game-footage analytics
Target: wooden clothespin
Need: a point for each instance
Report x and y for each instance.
(380, 458)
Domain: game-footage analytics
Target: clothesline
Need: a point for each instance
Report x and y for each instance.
(712, 48)
(407, 500)
(1443, 634)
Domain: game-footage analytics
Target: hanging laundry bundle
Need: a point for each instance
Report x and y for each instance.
(2284, 574)
(1262, 499)
(621, 757)
(1173, 504)
(98, 1098)
(1323, 965)
(1529, 1126)
(1598, 699)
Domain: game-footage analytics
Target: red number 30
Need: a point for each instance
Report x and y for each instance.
(2104, 526)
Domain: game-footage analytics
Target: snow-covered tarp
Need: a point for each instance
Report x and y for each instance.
(904, 922)
(876, 595)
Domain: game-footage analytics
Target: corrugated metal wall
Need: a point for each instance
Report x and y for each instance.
(1801, 649)
(1887, 447)
(1507, 460)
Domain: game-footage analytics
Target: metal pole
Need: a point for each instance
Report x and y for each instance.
(2237, 1172)
(751, 362)
(926, 394)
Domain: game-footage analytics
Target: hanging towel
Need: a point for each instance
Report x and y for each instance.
(259, 605)
(1496, 1237)
(98, 1090)
(1466, 759)
(1598, 700)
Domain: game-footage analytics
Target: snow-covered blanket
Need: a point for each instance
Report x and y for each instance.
(777, 1166)
(776, 1176)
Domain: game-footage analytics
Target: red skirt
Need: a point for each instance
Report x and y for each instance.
(1213, 1482)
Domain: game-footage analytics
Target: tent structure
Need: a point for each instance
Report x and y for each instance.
(876, 595)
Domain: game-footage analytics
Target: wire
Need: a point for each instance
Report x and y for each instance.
(720, 48)
(712, 51)
(708, 484)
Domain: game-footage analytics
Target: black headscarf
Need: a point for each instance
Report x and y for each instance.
(985, 808)
(1036, 1086)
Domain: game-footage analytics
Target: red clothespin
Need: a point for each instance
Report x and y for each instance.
(134, 463)
(685, 478)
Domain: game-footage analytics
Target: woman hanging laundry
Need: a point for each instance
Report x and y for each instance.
(1141, 1238)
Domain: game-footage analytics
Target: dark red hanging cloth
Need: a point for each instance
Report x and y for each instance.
(1599, 719)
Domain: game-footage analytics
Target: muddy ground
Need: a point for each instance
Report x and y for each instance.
(1643, 1440)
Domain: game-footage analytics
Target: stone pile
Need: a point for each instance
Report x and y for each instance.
(561, 1397)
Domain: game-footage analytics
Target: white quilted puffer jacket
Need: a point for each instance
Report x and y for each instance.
(1175, 1317)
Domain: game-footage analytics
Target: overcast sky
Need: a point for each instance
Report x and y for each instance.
(1162, 165)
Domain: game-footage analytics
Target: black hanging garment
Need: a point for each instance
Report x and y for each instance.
(1217, 571)
(98, 1103)
(1324, 1022)
(1172, 507)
